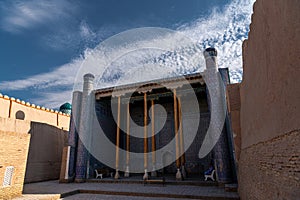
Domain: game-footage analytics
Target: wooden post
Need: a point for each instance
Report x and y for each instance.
(128, 135)
(145, 131)
(127, 141)
(182, 158)
(176, 129)
(178, 174)
(118, 139)
(153, 173)
(145, 137)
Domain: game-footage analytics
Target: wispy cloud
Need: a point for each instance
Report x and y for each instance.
(79, 36)
(17, 16)
(86, 32)
(62, 76)
(49, 89)
(224, 29)
(54, 99)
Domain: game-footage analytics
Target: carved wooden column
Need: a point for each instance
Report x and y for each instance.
(145, 137)
(182, 158)
(118, 139)
(178, 174)
(153, 173)
(127, 141)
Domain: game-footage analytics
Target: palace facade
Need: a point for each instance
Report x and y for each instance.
(156, 128)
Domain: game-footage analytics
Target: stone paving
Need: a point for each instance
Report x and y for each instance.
(113, 197)
(89, 190)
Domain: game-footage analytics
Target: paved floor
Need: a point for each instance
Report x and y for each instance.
(113, 197)
(53, 190)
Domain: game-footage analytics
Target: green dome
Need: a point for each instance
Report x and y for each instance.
(66, 108)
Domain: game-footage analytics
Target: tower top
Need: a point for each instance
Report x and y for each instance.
(211, 51)
(89, 76)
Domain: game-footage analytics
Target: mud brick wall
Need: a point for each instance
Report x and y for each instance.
(269, 94)
(271, 169)
(13, 152)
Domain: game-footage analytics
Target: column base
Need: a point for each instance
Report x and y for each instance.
(154, 173)
(77, 180)
(146, 177)
(126, 171)
(65, 181)
(178, 175)
(117, 175)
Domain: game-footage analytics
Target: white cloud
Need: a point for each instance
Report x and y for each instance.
(61, 76)
(19, 15)
(224, 29)
(86, 31)
(54, 99)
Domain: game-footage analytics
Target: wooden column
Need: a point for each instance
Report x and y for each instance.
(127, 141)
(153, 173)
(178, 174)
(176, 128)
(182, 158)
(118, 139)
(145, 137)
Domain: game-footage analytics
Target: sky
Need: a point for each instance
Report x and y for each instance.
(44, 43)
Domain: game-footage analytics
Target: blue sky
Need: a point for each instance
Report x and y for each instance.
(44, 42)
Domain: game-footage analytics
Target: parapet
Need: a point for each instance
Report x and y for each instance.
(13, 108)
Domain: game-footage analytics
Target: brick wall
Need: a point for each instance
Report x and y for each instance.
(270, 170)
(15, 138)
(13, 152)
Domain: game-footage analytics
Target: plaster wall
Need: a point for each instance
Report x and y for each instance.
(45, 152)
(4, 107)
(270, 88)
(15, 126)
(269, 116)
(9, 108)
